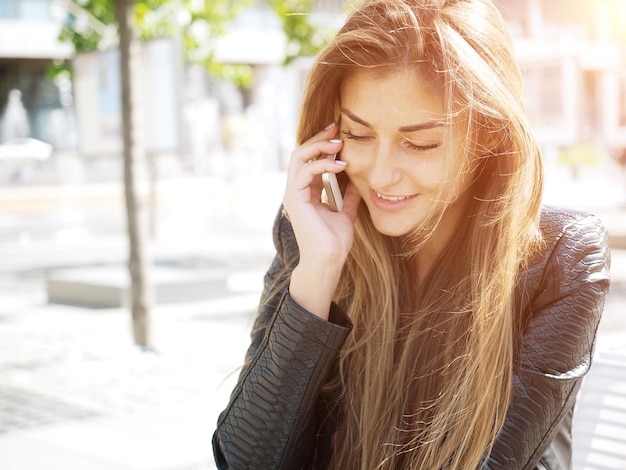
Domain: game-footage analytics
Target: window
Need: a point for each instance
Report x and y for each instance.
(33, 10)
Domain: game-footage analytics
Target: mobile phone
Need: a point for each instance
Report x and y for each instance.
(333, 191)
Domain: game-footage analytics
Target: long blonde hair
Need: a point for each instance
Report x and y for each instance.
(427, 371)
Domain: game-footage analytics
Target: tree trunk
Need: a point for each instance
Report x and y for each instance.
(138, 261)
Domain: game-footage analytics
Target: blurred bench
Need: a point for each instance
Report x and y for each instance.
(599, 423)
(109, 286)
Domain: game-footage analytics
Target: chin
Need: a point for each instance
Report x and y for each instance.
(392, 229)
(395, 223)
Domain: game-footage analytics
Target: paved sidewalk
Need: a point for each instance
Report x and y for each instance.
(76, 394)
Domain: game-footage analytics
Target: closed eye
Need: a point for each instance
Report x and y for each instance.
(425, 146)
(357, 138)
(411, 145)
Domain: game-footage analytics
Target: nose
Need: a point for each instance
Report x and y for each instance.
(384, 170)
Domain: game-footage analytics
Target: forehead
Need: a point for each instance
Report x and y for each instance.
(401, 98)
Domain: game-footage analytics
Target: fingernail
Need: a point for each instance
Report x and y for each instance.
(330, 126)
(341, 162)
(335, 141)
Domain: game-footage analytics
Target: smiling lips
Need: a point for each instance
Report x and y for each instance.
(391, 198)
(391, 203)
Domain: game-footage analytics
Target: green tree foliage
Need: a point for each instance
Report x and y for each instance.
(90, 25)
(86, 36)
(304, 37)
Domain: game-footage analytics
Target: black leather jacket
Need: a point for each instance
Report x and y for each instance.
(272, 420)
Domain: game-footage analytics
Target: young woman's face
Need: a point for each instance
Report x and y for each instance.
(394, 128)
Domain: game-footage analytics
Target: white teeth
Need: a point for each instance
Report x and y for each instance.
(391, 198)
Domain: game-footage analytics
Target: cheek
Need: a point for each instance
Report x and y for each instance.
(358, 161)
(428, 173)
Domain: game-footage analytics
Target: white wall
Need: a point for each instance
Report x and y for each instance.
(97, 94)
(32, 40)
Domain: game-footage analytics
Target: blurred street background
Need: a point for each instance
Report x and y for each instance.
(76, 391)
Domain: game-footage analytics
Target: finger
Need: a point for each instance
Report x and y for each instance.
(309, 173)
(315, 151)
(327, 133)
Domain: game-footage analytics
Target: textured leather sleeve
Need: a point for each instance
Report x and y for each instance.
(269, 421)
(557, 343)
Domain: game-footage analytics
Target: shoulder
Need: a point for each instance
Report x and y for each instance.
(574, 253)
(575, 245)
(571, 229)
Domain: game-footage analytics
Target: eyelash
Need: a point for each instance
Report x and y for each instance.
(357, 138)
(413, 146)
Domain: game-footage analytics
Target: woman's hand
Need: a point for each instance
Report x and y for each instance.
(321, 233)
(324, 237)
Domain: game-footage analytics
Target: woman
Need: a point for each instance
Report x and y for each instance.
(441, 319)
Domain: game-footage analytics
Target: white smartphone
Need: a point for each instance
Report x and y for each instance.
(333, 191)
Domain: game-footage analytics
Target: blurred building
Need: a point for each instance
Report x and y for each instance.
(28, 47)
(573, 56)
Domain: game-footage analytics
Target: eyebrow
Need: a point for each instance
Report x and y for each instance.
(409, 128)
